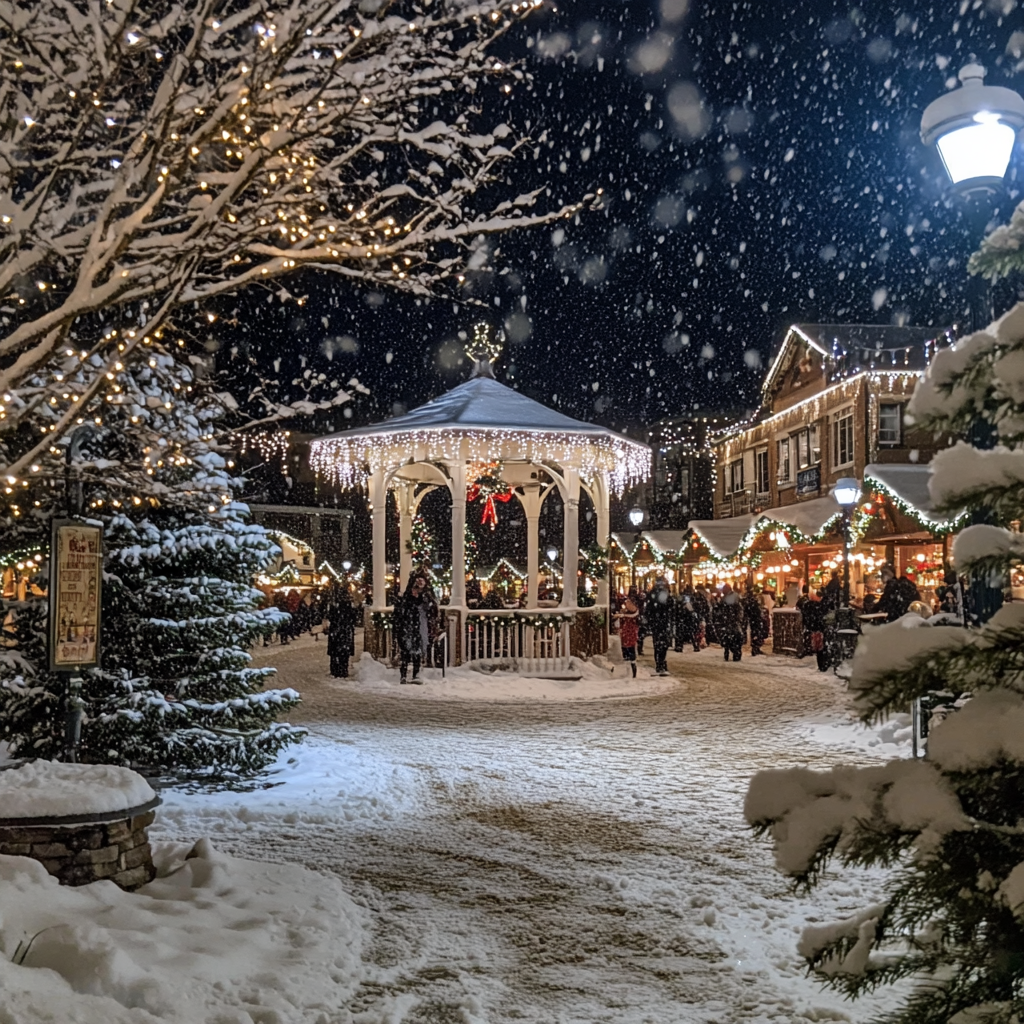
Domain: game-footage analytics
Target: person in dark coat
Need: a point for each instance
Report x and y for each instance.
(412, 628)
(832, 595)
(897, 595)
(687, 624)
(732, 623)
(813, 613)
(659, 612)
(702, 609)
(341, 632)
(642, 631)
(755, 615)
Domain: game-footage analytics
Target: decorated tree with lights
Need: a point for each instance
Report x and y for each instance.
(421, 542)
(157, 157)
(949, 827)
(175, 690)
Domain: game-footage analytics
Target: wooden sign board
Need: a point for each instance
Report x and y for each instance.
(76, 581)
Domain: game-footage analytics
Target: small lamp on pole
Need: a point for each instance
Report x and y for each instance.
(847, 494)
(636, 517)
(975, 128)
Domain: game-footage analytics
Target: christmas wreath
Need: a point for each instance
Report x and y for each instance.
(489, 485)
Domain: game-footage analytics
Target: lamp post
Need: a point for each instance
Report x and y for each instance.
(847, 494)
(636, 517)
(974, 129)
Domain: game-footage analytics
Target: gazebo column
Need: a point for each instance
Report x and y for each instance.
(602, 502)
(379, 501)
(530, 499)
(570, 536)
(457, 485)
(405, 496)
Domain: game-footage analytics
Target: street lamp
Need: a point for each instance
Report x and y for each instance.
(346, 565)
(974, 129)
(636, 516)
(552, 554)
(847, 494)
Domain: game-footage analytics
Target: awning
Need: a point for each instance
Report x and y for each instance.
(723, 536)
(909, 484)
(809, 517)
(668, 542)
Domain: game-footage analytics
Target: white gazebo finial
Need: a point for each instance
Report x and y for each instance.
(483, 350)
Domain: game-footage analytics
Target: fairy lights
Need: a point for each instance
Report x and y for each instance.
(351, 460)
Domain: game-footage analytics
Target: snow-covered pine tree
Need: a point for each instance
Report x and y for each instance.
(950, 827)
(175, 690)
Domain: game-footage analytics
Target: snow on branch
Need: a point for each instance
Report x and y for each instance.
(206, 145)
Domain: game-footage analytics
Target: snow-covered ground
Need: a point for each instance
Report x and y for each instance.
(576, 857)
(555, 861)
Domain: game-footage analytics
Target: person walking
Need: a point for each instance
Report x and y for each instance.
(660, 614)
(732, 622)
(642, 631)
(754, 614)
(629, 628)
(702, 609)
(813, 612)
(412, 628)
(832, 595)
(687, 624)
(341, 632)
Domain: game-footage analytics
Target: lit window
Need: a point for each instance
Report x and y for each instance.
(842, 440)
(890, 423)
(785, 466)
(761, 471)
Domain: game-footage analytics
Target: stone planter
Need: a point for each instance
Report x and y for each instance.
(77, 852)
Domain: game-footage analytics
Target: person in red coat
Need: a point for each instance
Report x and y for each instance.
(629, 629)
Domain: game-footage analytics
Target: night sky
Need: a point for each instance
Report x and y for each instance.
(761, 165)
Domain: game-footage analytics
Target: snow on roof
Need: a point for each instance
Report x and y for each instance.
(479, 402)
(667, 541)
(908, 483)
(482, 420)
(809, 517)
(723, 536)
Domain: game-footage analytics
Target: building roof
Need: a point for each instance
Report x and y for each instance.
(481, 420)
(847, 349)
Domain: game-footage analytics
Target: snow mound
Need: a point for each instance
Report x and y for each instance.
(212, 939)
(598, 678)
(39, 789)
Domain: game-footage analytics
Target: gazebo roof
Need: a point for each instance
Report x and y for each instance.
(481, 420)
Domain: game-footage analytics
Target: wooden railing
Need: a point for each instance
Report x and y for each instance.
(539, 640)
(538, 637)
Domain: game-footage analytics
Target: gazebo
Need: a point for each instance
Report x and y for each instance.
(445, 443)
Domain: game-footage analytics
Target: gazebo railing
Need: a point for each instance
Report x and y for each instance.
(535, 639)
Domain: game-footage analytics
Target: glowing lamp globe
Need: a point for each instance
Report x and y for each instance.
(346, 565)
(974, 129)
(846, 492)
(636, 515)
(552, 554)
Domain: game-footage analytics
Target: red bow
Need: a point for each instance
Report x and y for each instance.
(490, 512)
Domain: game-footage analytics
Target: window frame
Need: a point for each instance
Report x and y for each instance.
(898, 407)
(761, 460)
(732, 474)
(784, 444)
(841, 433)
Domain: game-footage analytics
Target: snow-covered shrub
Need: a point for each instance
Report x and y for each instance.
(175, 689)
(949, 827)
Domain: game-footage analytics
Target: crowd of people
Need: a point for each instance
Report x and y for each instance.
(699, 616)
(694, 618)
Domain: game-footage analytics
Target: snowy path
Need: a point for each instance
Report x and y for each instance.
(556, 862)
